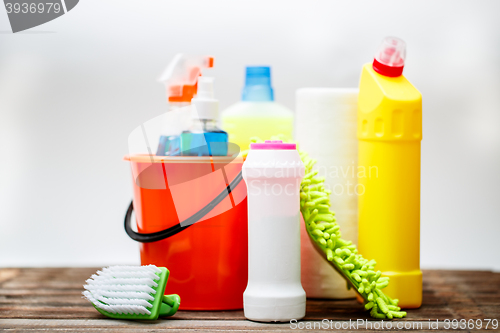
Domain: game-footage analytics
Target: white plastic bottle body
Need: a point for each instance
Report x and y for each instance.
(274, 291)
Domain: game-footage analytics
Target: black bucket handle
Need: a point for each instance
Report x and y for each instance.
(159, 235)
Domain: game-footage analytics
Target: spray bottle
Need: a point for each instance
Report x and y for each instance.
(204, 137)
(180, 79)
(389, 134)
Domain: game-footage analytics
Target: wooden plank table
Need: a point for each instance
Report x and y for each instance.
(50, 299)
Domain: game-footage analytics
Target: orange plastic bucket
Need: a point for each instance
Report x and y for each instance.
(208, 261)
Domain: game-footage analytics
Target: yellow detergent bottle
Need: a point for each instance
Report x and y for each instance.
(389, 134)
(257, 114)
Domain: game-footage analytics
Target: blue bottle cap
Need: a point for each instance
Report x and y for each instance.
(258, 85)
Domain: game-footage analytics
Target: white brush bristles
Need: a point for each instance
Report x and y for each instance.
(123, 289)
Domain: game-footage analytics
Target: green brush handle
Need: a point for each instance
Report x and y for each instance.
(169, 305)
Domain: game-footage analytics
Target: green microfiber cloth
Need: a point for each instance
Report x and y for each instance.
(341, 254)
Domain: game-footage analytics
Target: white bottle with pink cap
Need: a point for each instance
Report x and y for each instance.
(273, 171)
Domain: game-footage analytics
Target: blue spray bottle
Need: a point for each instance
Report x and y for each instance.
(204, 137)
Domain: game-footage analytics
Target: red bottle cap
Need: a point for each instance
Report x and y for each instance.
(390, 58)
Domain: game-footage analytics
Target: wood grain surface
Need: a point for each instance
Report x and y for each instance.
(49, 299)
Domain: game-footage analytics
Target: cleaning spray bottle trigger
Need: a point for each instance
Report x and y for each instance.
(181, 76)
(180, 79)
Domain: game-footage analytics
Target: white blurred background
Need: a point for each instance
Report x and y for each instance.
(72, 90)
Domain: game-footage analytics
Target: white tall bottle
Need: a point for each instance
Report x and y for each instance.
(273, 171)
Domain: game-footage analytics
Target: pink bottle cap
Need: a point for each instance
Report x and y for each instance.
(273, 145)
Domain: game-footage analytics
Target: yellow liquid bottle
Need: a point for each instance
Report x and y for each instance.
(257, 114)
(389, 134)
(263, 119)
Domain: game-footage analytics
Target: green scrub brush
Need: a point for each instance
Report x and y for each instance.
(131, 292)
(342, 255)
